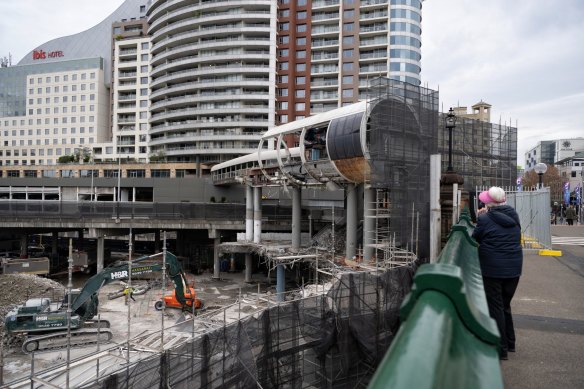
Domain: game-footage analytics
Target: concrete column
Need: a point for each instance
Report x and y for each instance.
(249, 213)
(24, 246)
(280, 282)
(216, 264)
(232, 263)
(100, 250)
(55, 246)
(248, 265)
(157, 241)
(368, 222)
(296, 216)
(133, 194)
(257, 214)
(198, 166)
(80, 240)
(352, 221)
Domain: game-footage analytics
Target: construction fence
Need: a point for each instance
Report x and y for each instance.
(333, 339)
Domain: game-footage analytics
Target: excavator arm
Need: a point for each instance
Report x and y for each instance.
(85, 304)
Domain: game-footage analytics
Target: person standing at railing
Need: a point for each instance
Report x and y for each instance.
(570, 215)
(498, 233)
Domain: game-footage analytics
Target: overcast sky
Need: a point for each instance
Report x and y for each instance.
(524, 57)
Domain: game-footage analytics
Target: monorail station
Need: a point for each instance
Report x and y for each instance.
(376, 152)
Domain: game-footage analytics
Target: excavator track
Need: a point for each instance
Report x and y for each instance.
(58, 340)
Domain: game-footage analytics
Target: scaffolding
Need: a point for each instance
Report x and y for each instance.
(401, 136)
(485, 154)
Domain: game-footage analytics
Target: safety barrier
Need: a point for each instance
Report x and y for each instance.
(446, 339)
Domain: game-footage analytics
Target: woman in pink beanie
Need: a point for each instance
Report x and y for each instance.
(498, 233)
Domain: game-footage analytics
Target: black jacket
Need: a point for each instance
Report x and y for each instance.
(498, 233)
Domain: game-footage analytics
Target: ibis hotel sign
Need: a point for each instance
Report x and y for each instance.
(41, 54)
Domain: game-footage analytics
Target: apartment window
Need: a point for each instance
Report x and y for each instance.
(283, 66)
(144, 92)
(347, 92)
(284, 40)
(301, 15)
(143, 80)
(283, 52)
(300, 67)
(283, 105)
(145, 45)
(301, 3)
(284, 13)
(74, 77)
(301, 41)
(283, 79)
(284, 26)
(348, 26)
(137, 173)
(83, 76)
(347, 65)
(348, 40)
(160, 173)
(301, 54)
(300, 106)
(144, 57)
(347, 79)
(282, 91)
(283, 118)
(300, 80)
(349, 13)
(144, 69)
(301, 28)
(300, 93)
(348, 53)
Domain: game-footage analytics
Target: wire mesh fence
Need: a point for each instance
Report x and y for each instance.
(534, 210)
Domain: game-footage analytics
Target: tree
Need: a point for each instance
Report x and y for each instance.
(551, 179)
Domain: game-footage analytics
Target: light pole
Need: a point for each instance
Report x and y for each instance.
(540, 169)
(450, 125)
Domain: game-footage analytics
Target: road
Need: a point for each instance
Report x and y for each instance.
(548, 311)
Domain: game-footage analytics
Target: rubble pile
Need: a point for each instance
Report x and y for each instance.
(15, 289)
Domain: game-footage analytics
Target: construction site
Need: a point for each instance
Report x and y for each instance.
(320, 309)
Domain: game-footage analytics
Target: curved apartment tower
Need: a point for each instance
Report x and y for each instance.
(212, 89)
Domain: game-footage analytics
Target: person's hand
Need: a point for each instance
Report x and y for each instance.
(482, 211)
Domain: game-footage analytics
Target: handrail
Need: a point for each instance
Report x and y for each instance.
(446, 339)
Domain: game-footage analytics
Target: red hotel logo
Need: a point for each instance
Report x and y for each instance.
(40, 54)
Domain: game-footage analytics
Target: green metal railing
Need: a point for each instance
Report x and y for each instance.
(446, 339)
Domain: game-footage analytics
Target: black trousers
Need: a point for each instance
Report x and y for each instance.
(500, 292)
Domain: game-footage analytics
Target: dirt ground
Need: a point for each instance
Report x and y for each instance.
(215, 293)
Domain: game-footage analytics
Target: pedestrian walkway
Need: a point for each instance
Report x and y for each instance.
(548, 311)
(568, 240)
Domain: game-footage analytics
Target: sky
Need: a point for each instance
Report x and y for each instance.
(524, 57)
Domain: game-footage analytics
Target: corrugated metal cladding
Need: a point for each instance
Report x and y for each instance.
(343, 137)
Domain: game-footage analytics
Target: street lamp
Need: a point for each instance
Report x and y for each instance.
(540, 169)
(450, 125)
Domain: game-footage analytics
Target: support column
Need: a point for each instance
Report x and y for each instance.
(257, 214)
(248, 265)
(80, 240)
(55, 246)
(157, 241)
(280, 282)
(24, 246)
(369, 208)
(100, 250)
(352, 221)
(296, 216)
(249, 206)
(216, 263)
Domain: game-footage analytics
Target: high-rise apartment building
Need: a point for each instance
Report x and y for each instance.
(212, 79)
(328, 49)
(129, 94)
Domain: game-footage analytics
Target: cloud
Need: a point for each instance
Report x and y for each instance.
(521, 56)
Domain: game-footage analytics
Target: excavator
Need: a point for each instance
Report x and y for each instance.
(44, 323)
